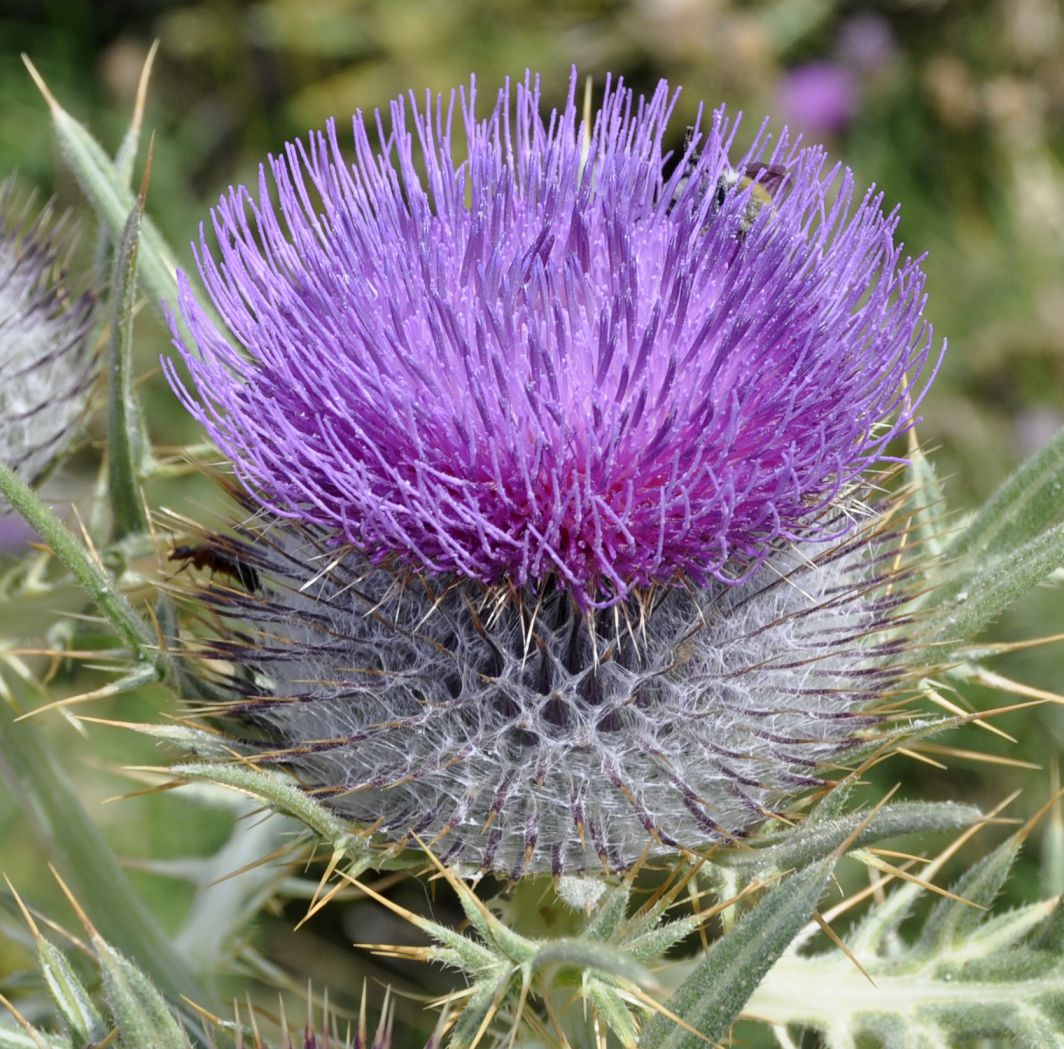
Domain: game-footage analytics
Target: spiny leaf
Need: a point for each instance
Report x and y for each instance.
(13, 1038)
(711, 998)
(139, 1011)
(992, 585)
(69, 994)
(125, 439)
(591, 958)
(651, 945)
(282, 795)
(1052, 936)
(948, 924)
(817, 837)
(609, 914)
(970, 976)
(928, 500)
(613, 1010)
(1026, 504)
(481, 1008)
(109, 193)
(55, 813)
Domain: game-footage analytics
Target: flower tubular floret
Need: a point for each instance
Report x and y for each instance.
(557, 355)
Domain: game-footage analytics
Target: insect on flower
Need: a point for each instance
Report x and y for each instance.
(763, 180)
(212, 553)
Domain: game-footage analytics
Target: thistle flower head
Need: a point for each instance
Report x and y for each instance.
(544, 359)
(44, 353)
(556, 454)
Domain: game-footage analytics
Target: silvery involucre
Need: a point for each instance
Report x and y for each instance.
(558, 449)
(44, 352)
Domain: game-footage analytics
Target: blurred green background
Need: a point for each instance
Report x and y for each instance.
(956, 110)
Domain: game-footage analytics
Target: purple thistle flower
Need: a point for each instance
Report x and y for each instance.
(821, 97)
(554, 363)
(44, 353)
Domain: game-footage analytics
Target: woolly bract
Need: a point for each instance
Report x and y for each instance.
(523, 348)
(519, 733)
(44, 353)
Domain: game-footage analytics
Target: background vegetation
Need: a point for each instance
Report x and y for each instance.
(956, 110)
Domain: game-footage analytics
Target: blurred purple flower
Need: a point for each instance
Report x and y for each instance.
(553, 362)
(866, 43)
(15, 534)
(820, 97)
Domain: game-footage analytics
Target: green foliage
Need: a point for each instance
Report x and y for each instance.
(138, 1016)
(1024, 507)
(968, 974)
(83, 856)
(825, 830)
(126, 441)
(106, 186)
(712, 997)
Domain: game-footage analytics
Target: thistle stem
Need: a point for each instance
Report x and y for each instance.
(88, 572)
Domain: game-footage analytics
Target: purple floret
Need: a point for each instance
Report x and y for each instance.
(520, 350)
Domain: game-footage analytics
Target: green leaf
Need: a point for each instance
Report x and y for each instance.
(992, 586)
(818, 837)
(613, 1011)
(609, 914)
(598, 958)
(283, 795)
(711, 998)
(126, 443)
(652, 945)
(73, 841)
(947, 923)
(138, 1009)
(929, 503)
(16, 1038)
(1024, 506)
(487, 996)
(126, 156)
(225, 904)
(1052, 936)
(71, 999)
(125, 160)
(81, 564)
(108, 191)
(972, 975)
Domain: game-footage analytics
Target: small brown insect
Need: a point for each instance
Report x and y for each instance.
(213, 555)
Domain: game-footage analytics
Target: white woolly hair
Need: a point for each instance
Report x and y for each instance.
(44, 352)
(517, 733)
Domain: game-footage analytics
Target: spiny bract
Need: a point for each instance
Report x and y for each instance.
(519, 733)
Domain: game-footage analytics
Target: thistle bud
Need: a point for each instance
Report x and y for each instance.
(44, 352)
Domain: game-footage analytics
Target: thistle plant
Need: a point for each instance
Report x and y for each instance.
(582, 563)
